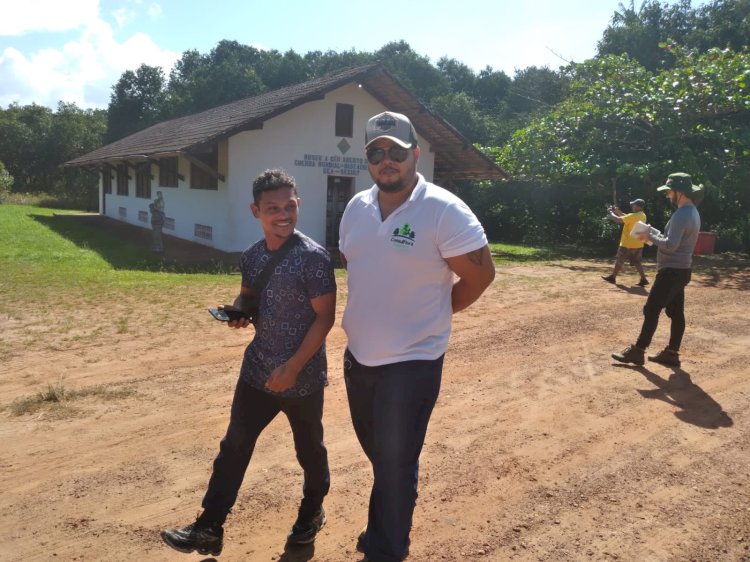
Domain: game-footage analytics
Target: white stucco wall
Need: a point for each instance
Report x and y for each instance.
(293, 141)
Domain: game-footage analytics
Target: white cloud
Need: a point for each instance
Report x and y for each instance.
(82, 71)
(123, 16)
(19, 18)
(154, 11)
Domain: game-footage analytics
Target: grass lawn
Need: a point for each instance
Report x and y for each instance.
(43, 254)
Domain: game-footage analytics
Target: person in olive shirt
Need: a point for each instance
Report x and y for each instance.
(674, 259)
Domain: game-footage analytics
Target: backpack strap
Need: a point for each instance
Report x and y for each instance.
(262, 279)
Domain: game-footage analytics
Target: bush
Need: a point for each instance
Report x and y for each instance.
(6, 182)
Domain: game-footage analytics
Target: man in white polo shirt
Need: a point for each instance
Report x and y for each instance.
(403, 242)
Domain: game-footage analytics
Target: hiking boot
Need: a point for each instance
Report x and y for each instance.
(305, 529)
(643, 282)
(610, 279)
(630, 354)
(206, 538)
(666, 357)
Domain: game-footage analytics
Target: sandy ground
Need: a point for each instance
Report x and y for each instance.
(541, 448)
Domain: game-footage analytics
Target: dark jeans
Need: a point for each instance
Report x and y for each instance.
(667, 292)
(252, 411)
(390, 407)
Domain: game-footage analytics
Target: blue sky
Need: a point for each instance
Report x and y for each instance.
(76, 50)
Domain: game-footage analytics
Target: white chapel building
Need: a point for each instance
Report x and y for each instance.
(204, 164)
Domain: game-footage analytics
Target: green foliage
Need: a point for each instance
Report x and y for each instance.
(35, 141)
(621, 123)
(6, 182)
(137, 102)
(229, 72)
(640, 33)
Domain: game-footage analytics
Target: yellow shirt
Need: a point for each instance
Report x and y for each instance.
(626, 240)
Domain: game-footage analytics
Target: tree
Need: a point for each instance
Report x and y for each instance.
(492, 88)
(199, 82)
(461, 111)
(624, 123)
(413, 71)
(35, 141)
(722, 23)
(24, 147)
(459, 76)
(6, 181)
(638, 33)
(535, 89)
(136, 102)
(276, 70)
(320, 63)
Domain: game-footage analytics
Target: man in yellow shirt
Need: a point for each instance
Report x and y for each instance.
(630, 248)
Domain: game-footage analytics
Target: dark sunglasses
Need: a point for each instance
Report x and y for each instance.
(395, 153)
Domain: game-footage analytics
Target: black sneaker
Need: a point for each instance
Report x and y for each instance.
(630, 354)
(609, 279)
(305, 529)
(643, 282)
(206, 538)
(666, 357)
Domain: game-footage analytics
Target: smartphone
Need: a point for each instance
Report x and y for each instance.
(227, 314)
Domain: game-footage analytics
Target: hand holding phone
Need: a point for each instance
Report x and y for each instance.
(228, 313)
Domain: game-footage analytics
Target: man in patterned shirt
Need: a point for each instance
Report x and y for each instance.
(284, 369)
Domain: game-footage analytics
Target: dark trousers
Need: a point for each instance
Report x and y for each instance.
(667, 292)
(252, 411)
(390, 407)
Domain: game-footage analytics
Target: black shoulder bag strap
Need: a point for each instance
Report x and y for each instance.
(262, 279)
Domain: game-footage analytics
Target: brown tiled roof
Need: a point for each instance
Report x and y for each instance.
(455, 157)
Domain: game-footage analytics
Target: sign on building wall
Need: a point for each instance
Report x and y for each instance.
(333, 165)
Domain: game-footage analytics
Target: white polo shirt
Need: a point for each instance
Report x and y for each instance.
(399, 284)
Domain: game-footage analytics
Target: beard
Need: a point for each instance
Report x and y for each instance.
(401, 181)
(391, 187)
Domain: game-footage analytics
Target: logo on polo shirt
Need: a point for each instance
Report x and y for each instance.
(403, 237)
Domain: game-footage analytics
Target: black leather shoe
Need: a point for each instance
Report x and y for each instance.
(206, 538)
(666, 357)
(630, 354)
(305, 529)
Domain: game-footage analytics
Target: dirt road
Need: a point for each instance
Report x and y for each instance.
(540, 448)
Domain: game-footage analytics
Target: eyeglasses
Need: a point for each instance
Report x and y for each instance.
(396, 153)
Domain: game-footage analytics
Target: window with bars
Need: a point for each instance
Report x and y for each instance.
(168, 172)
(143, 180)
(122, 179)
(200, 178)
(107, 179)
(204, 231)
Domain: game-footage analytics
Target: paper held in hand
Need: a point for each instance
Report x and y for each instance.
(639, 228)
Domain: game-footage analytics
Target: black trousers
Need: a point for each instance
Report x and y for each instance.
(252, 411)
(668, 293)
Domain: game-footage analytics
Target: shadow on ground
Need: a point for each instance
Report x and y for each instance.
(696, 406)
(125, 246)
